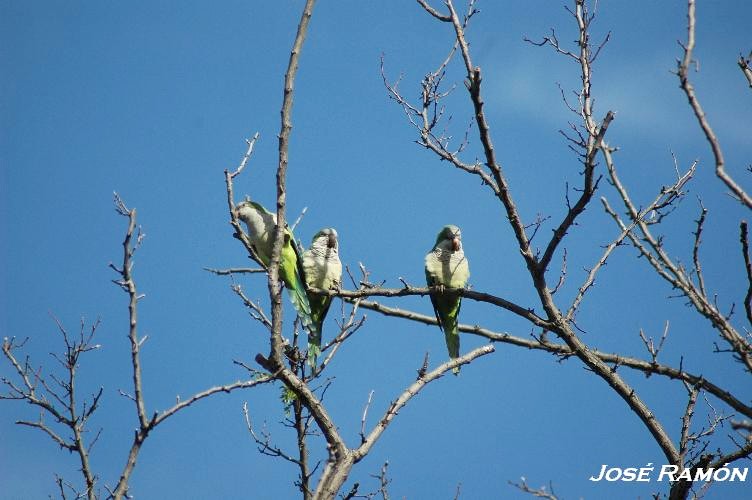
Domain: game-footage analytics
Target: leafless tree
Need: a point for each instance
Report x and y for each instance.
(553, 318)
(63, 417)
(588, 139)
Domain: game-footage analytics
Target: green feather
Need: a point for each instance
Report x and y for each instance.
(446, 307)
(291, 272)
(319, 307)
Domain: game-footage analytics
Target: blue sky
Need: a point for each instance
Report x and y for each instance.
(154, 101)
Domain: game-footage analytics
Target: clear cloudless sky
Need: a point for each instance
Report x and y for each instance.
(154, 100)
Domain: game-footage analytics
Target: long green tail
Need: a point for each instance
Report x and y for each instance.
(319, 307)
(299, 299)
(290, 273)
(452, 337)
(447, 307)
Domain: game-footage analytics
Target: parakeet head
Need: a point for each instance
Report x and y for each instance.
(449, 238)
(248, 210)
(258, 219)
(326, 240)
(244, 210)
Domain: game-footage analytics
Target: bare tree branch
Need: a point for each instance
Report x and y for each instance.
(408, 290)
(264, 442)
(65, 410)
(744, 238)
(590, 280)
(129, 286)
(336, 472)
(127, 283)
(696, 249)
(234, 222)
(689, 90)
(234, 270)
(536, 269)
(434, 12)
(563, 351)
(413, 390)
(275, 288)
(541, 492)
(653, 250)
(595, 133)
(257, 312)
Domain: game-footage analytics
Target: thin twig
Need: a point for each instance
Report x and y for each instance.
(408, 290)
(234, 270)
(541, 492)
(744, 239)
(696, 249)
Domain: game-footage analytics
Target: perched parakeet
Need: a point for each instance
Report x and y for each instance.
(323, 270)
(261, 223)
(446, 266)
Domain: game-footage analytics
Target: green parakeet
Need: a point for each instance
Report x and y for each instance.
(261, 223)
(446, 266)
(323, 270)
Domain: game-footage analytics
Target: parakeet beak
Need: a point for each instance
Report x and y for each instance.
(332, 242)
(455, 244)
